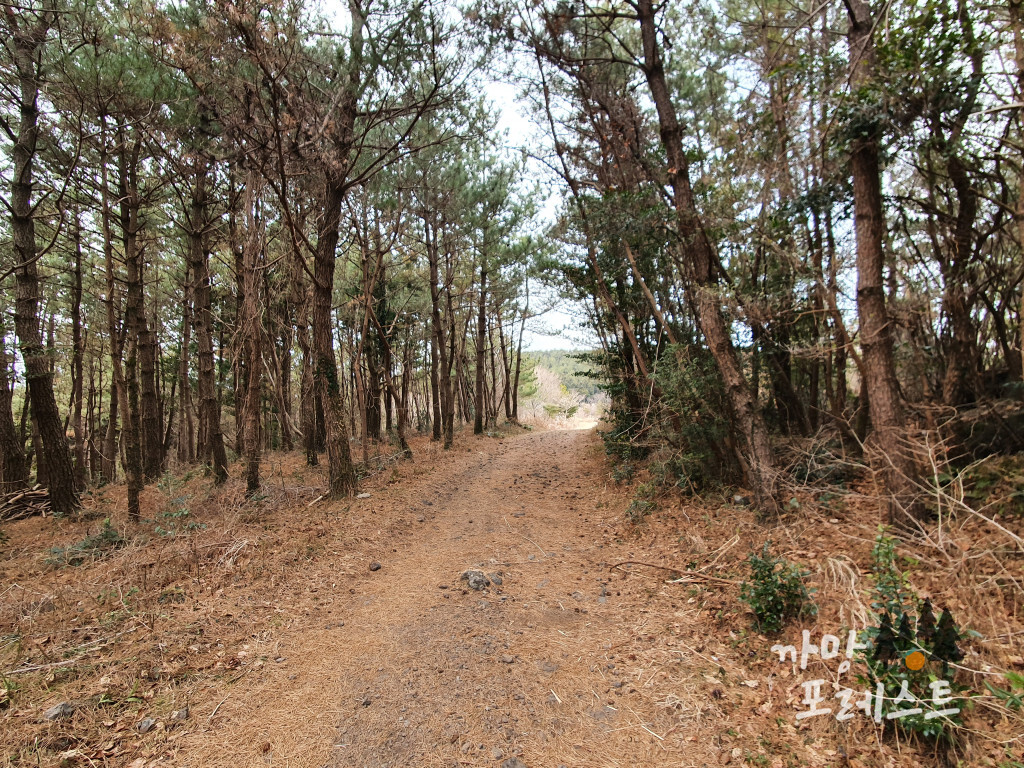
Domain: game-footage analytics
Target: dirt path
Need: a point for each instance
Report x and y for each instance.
(417, 670)
(258, 634)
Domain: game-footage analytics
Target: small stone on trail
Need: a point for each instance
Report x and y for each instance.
(475, 579)
(179, 715)
(513, 762)
(495, 578)
(506, 659)
(375, 566)
(59, 711)
(741, 500)
(145, 726)
(421, 519)
(498, 754)
(362, 495)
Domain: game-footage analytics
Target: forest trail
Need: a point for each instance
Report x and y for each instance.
(426, 672)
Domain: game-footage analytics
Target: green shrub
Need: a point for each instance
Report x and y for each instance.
(176, 518)
(623, 471)
(824, 464)
(693, 392)
(622, 440)
(88, 549)
(896, 634)
(776, 591)
(892, 593)
(642, 504)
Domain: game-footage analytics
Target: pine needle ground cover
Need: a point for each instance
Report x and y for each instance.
(270, 629)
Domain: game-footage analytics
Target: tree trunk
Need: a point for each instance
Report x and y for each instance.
(95, 401)
(152, 434)
(443, 428)
(210, 439)
(506, 384)
(285, 389)
(1017, 28)
(492, 410)
(186, 427)
(519, 358)
(13, 469)
(37, 451)
(118, 392)
(400, 397)
(341, 472)
(78, 352)
(700, 269)
(111, 437)
(435, 390)
(481, 333)
(134, 321)
(250, 332)
(307, 399)
(26, 45)
(895, 462)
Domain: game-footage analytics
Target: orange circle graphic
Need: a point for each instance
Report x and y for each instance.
(914, 660)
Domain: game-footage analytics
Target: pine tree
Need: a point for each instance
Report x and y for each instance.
(946, 649)
(905, 634)
(926, 624)
(885, 641)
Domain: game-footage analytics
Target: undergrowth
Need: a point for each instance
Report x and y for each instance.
(682, 441)
(908, 653)
(776, 591)
(90, 548)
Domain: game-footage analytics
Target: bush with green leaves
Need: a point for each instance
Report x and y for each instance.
(905, 624)
(176, 517)
(693, 392)
(93, 547)
(643, 503)
(776, 591)
(622, 438)
(1012, 697)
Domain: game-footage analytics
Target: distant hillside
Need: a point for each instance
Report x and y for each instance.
(569, 369)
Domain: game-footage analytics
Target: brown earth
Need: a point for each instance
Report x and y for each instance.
(426, 672)
(270, 627)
